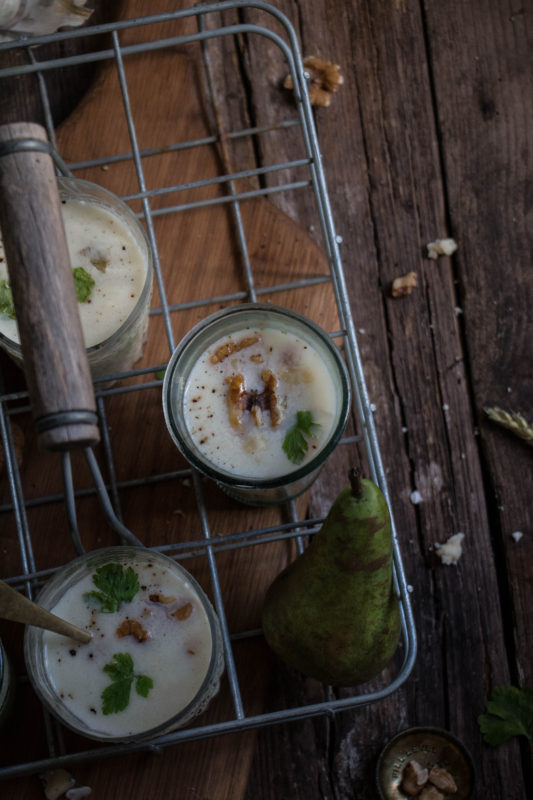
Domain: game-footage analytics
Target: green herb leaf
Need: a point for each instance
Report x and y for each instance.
(143, 684)
(160, 374)
(509, 713)
(295, 444)
(83, 284)
(123, 668)
(116, 696)
(6, 300)
(117, 585)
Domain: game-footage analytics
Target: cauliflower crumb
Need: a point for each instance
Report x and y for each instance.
(451, 551)
(517, 535)
(441, 247)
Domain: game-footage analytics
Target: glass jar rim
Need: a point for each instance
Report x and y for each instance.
(213, 321)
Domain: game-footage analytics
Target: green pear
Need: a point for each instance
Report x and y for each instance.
(333, 613)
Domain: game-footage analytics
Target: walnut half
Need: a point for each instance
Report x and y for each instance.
(404, 285)
(324, 79)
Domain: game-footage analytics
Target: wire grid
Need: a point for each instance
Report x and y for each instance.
(209, 545)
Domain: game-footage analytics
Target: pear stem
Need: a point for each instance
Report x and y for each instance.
(355, 482)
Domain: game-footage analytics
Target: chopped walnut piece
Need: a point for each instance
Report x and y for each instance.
(324, 79)
(237, 400)
(271, 383)
(161, 598)
(404, 285)
(431, 793)
(184, 612)
(257, 415)
(230, 347)
(132, 627)
(442, 779)
(414, 778)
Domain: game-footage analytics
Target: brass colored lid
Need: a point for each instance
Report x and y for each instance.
(430, 747)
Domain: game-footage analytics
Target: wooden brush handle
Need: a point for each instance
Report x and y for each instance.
(40, 275)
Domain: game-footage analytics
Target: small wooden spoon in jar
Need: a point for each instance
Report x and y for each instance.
(18, 608)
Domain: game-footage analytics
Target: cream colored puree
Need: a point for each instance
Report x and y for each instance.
(175, 656)
(304, 383)
(96, 236)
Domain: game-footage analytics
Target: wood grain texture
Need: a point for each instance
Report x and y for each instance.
(429, 136)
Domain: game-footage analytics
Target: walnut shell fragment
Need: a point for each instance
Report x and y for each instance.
(404, 285)
(324, 79)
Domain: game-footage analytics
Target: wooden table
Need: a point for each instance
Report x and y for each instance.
(426, 138)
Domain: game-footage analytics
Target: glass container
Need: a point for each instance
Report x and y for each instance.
(109, 243)
(240, 387)
(169, 629)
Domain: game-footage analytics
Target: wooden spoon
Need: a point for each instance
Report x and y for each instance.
(18, 608)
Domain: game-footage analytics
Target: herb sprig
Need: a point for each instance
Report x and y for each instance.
(116, 584)
(509, 713)
(295, 444)
(116, 696)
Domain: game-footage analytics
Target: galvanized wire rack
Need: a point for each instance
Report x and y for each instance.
(284, 39)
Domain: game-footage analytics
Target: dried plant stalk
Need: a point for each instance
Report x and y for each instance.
(513, 421)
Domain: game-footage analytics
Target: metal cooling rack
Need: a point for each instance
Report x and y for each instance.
(287, 43)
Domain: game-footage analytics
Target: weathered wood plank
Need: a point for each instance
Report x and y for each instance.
(380, 137)
(428, 136)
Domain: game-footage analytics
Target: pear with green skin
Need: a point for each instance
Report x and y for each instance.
(333, 613)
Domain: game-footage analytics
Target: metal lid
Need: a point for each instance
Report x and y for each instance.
(429, 747)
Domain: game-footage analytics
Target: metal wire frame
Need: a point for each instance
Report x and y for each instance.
(296, 528)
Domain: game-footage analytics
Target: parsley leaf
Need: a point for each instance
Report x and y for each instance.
(83, 284)
(143, 684)
(117, 585)
(295, 444)
(6, 300)
(116, 696)
(509, 713)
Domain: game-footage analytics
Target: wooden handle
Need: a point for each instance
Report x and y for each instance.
(40, 274)
(18, 608)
